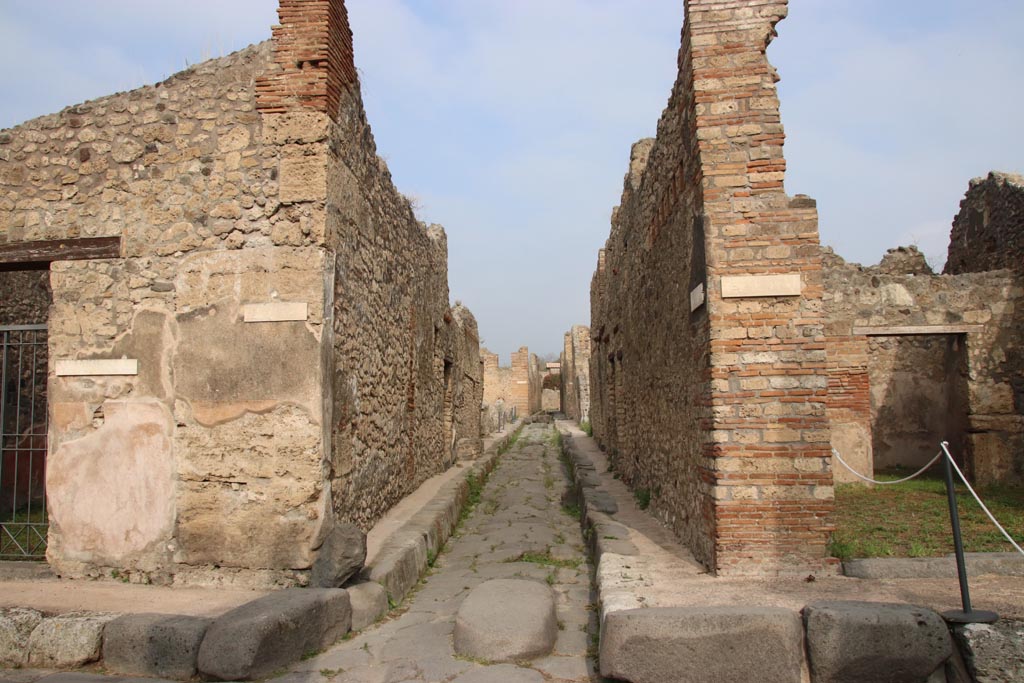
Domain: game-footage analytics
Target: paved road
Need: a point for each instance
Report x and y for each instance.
(518, 530)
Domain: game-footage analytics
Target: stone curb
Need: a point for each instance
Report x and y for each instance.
(644, 649)
(404, 558)
(1001, 564)
(409, 551)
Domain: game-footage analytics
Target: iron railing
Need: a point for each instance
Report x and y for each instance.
(23, 370)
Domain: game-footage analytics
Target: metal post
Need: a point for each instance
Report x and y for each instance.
(968, 615)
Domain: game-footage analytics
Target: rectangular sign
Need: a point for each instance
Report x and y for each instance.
(97, 367)
(740, 286)
(697, 297)
(275, 312)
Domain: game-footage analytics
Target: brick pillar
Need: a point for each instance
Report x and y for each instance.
(313, 56)
(520, 388)
(767, 449)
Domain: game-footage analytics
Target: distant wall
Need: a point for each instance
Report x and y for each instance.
(575, 361)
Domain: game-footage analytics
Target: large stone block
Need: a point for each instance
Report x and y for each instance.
(865, 641)
(994, 652)
(67, 640)
(340, 557)
(274, 631)
(369, 603)
(164, 645)
(506, 620)
(707, 644)
(16, 626)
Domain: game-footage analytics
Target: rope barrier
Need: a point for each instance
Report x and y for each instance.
(885, 483)
(944, 451)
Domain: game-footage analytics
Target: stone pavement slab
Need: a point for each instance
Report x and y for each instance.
(506, 620)
(518, 530)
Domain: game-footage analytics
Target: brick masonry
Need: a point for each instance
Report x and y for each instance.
(718, 412)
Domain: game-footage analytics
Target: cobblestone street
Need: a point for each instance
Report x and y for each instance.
(517, 530)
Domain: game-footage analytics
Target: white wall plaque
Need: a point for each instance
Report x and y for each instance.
(97, 367)
(275, 312)
(697, 297)
(735, 286)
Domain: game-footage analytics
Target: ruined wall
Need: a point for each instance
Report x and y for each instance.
(467, 392)
(575, 360)
(708, 361)
(988, 232)
(518, 386)
(298, 364)
(535, 384)
(917, 358)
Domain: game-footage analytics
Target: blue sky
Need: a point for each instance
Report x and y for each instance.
(510, 122)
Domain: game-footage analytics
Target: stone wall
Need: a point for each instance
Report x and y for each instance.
(575, 360)
(298, 363)
(988, 232)
(24, 297)
(916, 358)
(708, 365)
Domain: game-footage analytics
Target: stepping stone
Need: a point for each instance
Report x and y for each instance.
(506, 620)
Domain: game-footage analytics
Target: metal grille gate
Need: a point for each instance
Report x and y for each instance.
(23, 368)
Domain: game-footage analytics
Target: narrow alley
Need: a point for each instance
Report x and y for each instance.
(517, 530)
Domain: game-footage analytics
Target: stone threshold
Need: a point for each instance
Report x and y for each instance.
(664, 617)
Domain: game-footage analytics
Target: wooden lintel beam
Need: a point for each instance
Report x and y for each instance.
(46, 251)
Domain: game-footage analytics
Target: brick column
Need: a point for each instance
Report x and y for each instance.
(313, 55)
(768, 442)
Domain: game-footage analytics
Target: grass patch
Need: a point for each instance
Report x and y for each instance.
(513, 437)
(912, 519)
(643, 498)
(546, 560)
(587, 429)
(573, 510)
